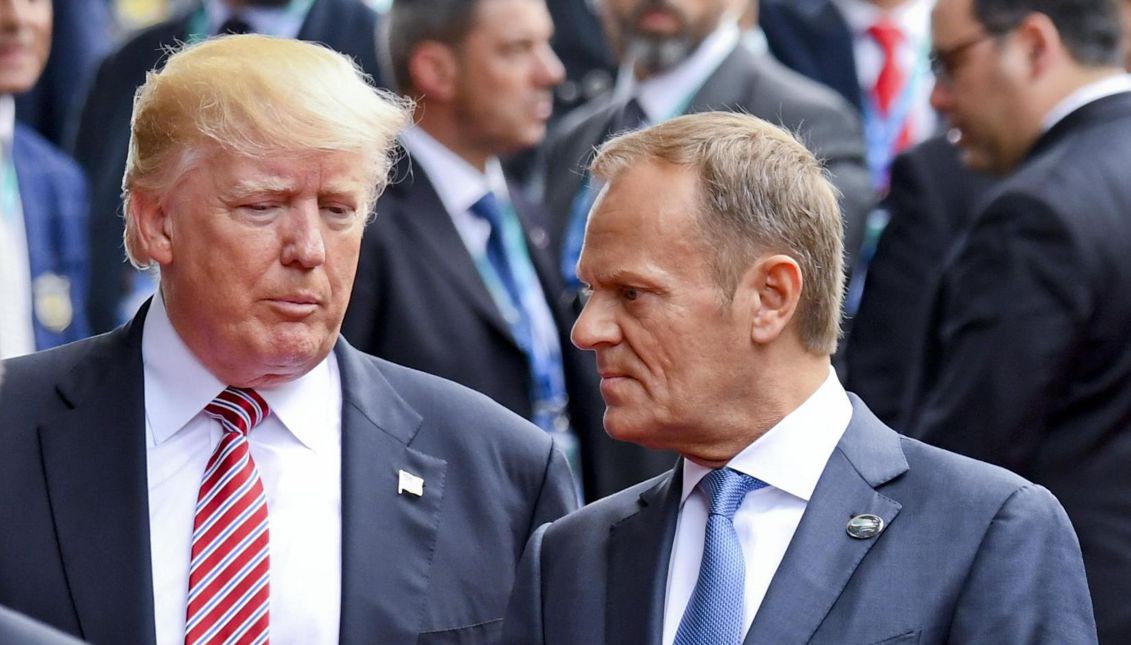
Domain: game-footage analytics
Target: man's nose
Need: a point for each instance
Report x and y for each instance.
(595, 326)
(303, 244)
(551, 72)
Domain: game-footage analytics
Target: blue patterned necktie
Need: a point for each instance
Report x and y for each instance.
(714, 613)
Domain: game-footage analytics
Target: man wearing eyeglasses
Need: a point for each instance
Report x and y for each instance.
(1028, 365)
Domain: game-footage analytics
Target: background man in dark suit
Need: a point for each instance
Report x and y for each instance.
(1029, 364)
(713, 256)
(225, 464)
(102, 127)
(932, 202)
(685, 56)
(445, 286)
(44, 266)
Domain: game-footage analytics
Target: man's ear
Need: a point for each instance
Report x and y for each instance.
(773, 288)
(1041, 43)
(153, 227)
(434, 70)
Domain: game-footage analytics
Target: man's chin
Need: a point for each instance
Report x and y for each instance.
(652, 56)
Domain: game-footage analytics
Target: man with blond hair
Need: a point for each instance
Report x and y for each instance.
(225, 468)
(713, 264)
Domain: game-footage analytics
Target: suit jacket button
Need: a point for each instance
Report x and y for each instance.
(865, 526)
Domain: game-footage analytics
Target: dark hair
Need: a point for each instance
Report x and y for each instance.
(1090, 29)
(411, 22)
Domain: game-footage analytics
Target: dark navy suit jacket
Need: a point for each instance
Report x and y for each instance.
(74, 544)
(54, 199)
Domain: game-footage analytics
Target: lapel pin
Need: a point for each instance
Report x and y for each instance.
(409, 483)
(864, 526)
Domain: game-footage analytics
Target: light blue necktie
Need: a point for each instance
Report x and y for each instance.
(714, 613)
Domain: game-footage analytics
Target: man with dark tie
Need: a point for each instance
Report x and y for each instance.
(101, 126)
(456, 276)
(712, 260)
(225, 468)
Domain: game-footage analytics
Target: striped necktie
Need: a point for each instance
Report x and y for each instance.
(228, 574)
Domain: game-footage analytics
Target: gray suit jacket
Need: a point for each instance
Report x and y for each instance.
(970, 554)
(756, 84)
(74, 549)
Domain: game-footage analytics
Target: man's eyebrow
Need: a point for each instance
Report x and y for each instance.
(258, 185)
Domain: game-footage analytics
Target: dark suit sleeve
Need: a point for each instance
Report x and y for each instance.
(1012, 306)
(558, 495)
(17, 628)
(1027, 584)
(523, 622)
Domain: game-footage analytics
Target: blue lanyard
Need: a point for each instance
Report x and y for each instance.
(10, 205)
(199, 29)
(881, 132)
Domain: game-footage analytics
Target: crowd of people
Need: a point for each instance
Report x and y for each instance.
(749, 281)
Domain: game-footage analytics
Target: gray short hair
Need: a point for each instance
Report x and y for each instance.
(760, 191)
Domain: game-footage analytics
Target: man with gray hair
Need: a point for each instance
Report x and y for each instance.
(712, 259)
(225, 468)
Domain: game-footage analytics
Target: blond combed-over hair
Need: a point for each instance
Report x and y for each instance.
(760, 191)
(255, 96)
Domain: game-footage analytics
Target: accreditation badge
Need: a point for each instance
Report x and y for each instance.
(51, 294)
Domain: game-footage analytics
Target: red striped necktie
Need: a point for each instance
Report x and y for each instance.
(228, 574)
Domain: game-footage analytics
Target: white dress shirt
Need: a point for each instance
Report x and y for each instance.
(913, 17)
(790, 458)
(297, 450)
(459, 185)
(667, 94)
(1094, 91)
(17, 332)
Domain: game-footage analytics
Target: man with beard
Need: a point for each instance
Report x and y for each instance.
(100, 141)
(685, 56)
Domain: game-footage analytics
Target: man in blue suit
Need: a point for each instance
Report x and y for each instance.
(225, 465)
(713, 264)
(43, 206)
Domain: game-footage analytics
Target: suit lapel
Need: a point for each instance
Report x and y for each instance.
(1099, 111)
(822, 557)
(423, 214)
(388, 538)
(94, 460)
(640, 548)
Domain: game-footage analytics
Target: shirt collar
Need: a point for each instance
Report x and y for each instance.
(913, 17)
(7, 118)
(178, 386)
(792, 455)
(462, 184)
(664, 94)
(284, 21)
(1094, 91)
